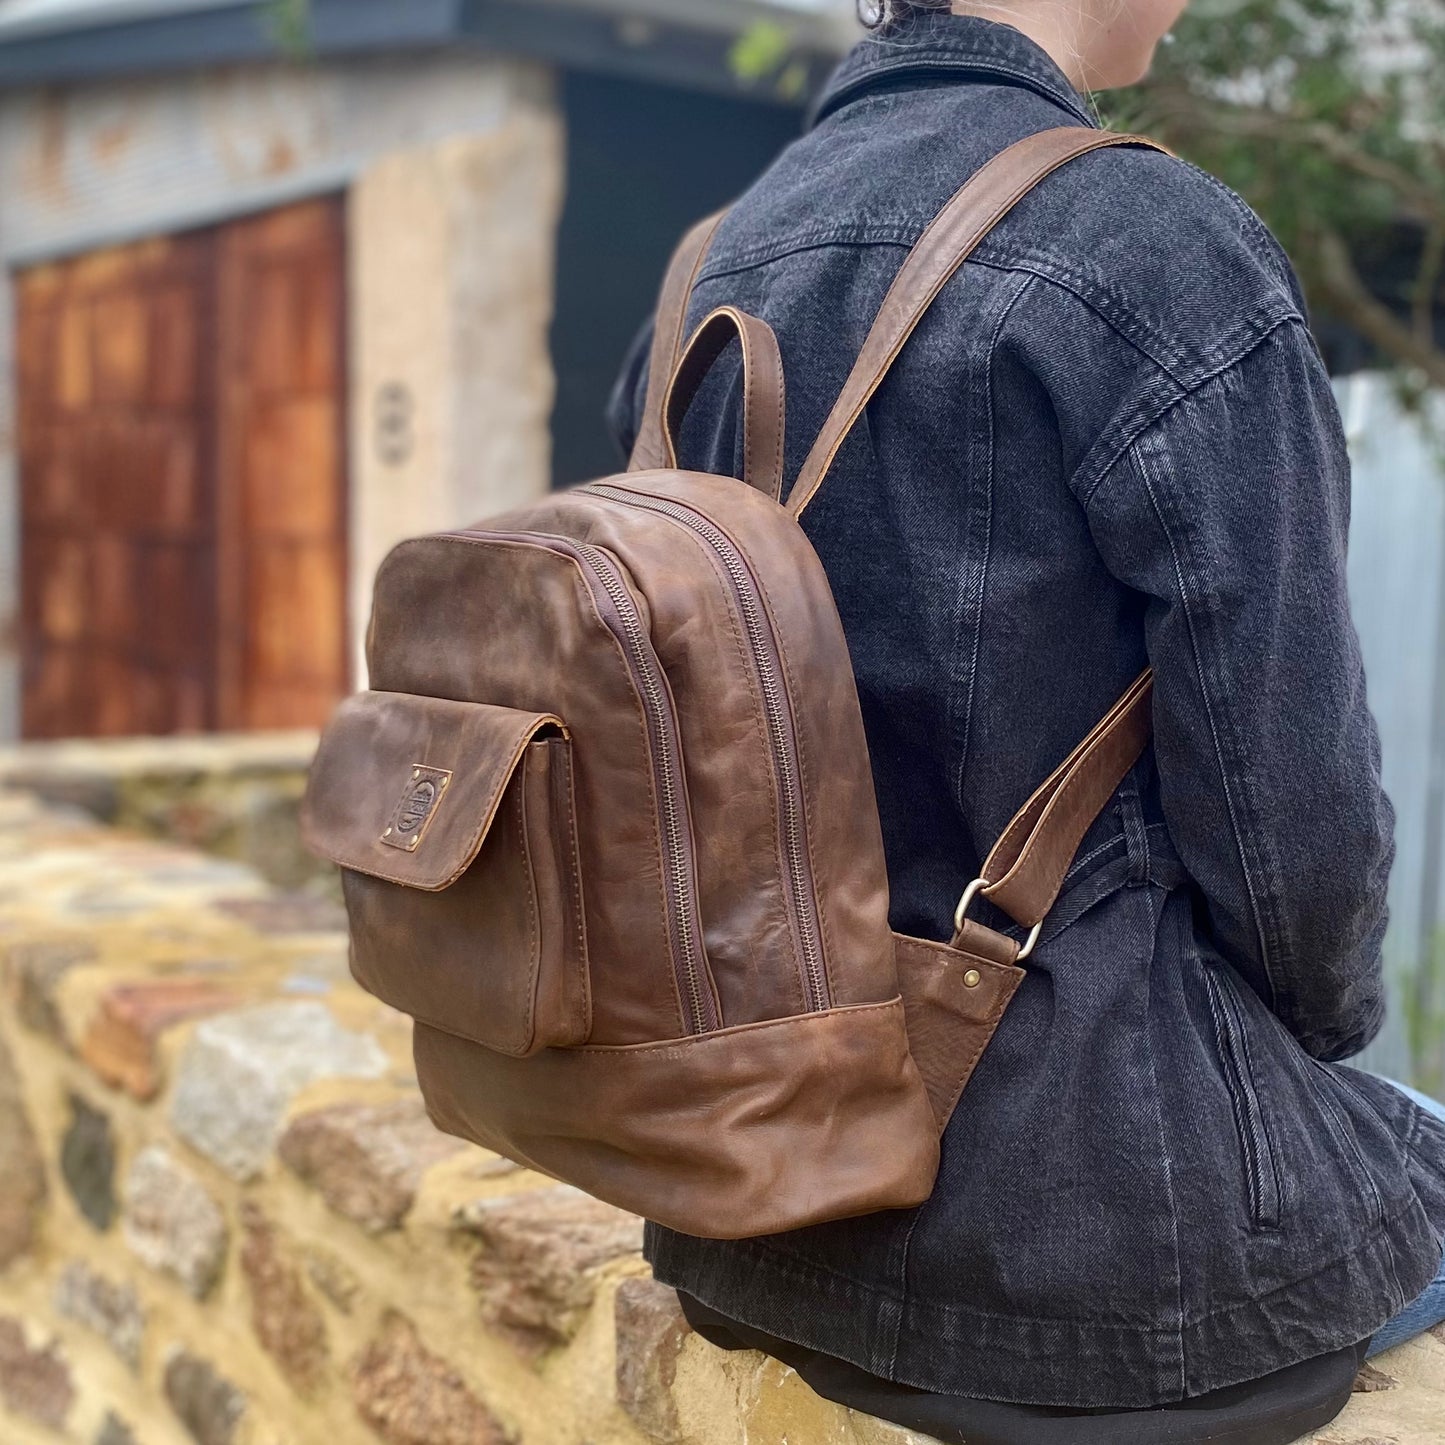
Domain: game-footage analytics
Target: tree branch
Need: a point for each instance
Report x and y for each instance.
(1424, 202)
(1427, 283)
(1349, 296)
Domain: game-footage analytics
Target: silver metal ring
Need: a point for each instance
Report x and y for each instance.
(972, 892)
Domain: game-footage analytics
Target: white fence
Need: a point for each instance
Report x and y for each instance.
(1397, 586)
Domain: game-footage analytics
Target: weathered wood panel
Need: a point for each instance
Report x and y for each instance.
(283, 654)
(117, 487)
(183, 560)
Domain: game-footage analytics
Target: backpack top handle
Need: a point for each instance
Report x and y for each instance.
(948, 241)
(764, 406)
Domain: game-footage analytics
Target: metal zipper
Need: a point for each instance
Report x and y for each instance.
(782, 730)
(619, 611)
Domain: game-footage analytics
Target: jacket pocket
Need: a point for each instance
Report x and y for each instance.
(1261, 1170)
(453, 824)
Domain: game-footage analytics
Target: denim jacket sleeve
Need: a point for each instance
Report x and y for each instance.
(1230, 514)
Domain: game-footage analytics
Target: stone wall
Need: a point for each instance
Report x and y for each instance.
(237, 796)
(226, 1220)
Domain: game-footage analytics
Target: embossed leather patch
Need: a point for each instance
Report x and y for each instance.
(418, 806)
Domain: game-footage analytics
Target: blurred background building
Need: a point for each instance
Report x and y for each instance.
(266, 313)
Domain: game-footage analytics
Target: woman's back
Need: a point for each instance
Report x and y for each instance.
(1111, 444)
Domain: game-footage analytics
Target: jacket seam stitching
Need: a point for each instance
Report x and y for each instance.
(1215, 711)
(1180, 1362)
(1150, 419)
(797, 1266)
(965, 742)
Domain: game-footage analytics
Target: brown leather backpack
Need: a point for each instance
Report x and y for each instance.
(607, 829)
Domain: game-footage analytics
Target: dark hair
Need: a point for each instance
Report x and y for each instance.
(879, 14)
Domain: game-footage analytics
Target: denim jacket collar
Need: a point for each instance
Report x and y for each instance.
(962, 45)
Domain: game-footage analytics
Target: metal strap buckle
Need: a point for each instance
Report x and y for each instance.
(969, 894)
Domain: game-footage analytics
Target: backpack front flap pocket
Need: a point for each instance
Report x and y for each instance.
(453, 826)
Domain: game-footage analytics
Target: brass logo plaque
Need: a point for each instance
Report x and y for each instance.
(418, 806)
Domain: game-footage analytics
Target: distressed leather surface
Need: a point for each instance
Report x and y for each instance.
(478, 929)
(751, 1131)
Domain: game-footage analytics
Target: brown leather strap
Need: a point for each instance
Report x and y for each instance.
(947, 243)
(667, 334)
(1025, 870)
(763, 396)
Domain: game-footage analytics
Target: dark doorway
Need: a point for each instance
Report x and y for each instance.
(643, 162)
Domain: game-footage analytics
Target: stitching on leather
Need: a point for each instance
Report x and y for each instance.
(680, 1047)
(990, 1023)
(574, 866)
(489, 813)
(803, 766)
(653, 417)
(656, 851)
(779, 436)
(1012, 977)
(533, 946)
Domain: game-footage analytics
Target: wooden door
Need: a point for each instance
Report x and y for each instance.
(283, 653)
(117, 506)
(182, 521)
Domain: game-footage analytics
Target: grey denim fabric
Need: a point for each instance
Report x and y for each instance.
(1111, 443)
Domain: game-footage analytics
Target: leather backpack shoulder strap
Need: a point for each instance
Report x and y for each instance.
(948, 242)
(1025, 870)
(650, 449)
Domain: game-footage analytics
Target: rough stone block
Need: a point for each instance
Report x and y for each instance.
(35, 970)
(120, 1044)
(206, 1403)
(21, 1167)
(334, 1278)
(411, 1396)
(535, 1272)
(171, 1221)
(114, 1431)
(651, 1329)
(35, 1381)
(1371, 1379)
(112, 1310)
(240, 1071)
(87, 1162)
(366, 1159)
(287, 1321)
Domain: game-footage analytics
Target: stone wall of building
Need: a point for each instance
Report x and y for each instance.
(226, 1220)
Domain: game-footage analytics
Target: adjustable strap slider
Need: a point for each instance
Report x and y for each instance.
(961, 912)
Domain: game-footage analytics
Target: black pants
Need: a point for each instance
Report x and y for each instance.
(1274, 1410)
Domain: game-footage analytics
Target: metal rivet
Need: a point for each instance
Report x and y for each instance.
(972, 978)
(387, 834)
(416, 772)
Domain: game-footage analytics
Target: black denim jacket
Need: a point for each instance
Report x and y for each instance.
(1111, 443)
